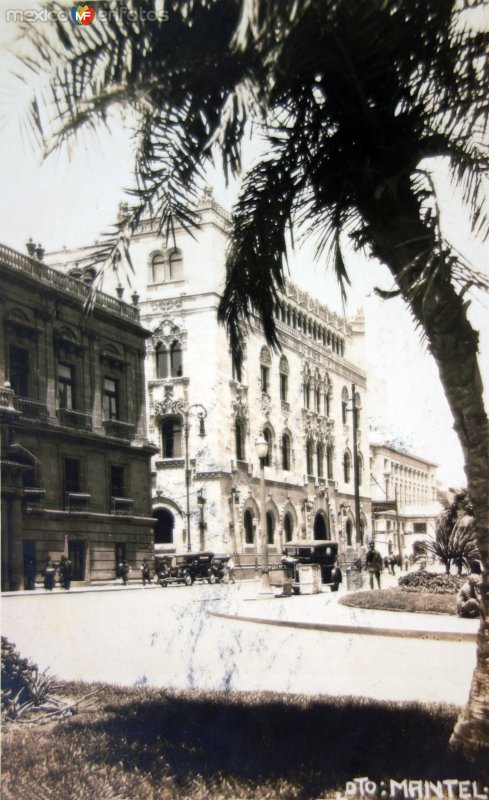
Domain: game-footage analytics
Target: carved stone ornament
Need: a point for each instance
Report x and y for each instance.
(239, 404)
(167, 305)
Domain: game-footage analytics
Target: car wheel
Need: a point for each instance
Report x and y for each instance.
(212, 578)
(188, 580)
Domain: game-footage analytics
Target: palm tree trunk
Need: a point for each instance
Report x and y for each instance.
(441, 313)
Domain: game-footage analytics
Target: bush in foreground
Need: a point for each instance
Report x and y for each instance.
(432, 582)
(148, 744)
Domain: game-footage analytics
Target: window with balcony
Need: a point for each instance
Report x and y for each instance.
(265, 378)
(329, 461)
(171, 437)
(344, 406)
(66, 387)
(111, 399)
(72, 471)
(161, 361)
(176, 364)
(286, 451)
(240, 440)
(309, 458)
(284, 379)
(268, 436)
(19, 370)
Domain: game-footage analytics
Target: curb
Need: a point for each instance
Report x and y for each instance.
(438, 636)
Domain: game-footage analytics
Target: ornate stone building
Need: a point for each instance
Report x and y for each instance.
(204, 416)
(404, 499)
(75, 459)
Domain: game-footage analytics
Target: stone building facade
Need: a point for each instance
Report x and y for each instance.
(204, 417)
(74, 454)
(401, 479)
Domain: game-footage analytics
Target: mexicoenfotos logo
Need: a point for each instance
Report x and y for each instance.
(82, 15)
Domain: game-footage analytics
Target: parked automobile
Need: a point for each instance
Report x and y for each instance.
(185, 568)
(315, 551)
(219, 569)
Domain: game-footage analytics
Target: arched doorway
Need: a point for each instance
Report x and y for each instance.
(164, 525)
(270, 528)
(288, 527)
(321, 528)
(248, 526)
(349, 532)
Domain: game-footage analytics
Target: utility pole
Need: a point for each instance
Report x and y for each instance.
(356, 474)
(398, 527)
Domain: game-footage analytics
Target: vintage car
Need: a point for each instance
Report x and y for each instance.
(314, 551)
(186, 568)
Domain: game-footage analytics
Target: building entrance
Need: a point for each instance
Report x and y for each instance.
(165, 522)
(76, 554)
(320, 527)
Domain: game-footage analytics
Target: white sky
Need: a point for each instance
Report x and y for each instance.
(72, 202)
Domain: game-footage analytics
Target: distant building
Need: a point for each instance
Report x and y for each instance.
(74, 454)
(406, 482)
(299, 399)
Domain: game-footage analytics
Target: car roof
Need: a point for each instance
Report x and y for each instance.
(311, 543)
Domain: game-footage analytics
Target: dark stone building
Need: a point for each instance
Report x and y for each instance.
(74, 455)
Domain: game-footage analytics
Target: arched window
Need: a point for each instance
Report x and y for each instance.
(164, 524)
(309, 458)
(307, 394)
(265, 362)
(286, 451)
(270, 527)
(329, 461)
(171, 437)
(320, 459)
(248, 526)
(362, 531)
(360, 469)
(176, 365)
(240, 440)
(288, 527)
(175, 265)
(317, 400)
(157, 273)
(346, 467)
(284, 379)
(344, 405)
(349, 532)
(161, 361)
(358, 408)
(267, 435)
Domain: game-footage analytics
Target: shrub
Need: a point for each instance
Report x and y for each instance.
(431, 582)
(23, 686)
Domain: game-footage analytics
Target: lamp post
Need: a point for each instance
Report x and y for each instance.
(185, 412)
(261, 446)
(202, 524)
(356, 472)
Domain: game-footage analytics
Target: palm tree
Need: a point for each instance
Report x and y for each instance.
(354, 98)
(455, 539)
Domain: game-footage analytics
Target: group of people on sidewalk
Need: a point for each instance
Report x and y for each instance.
(65, 572)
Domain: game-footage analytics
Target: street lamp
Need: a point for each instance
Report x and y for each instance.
(200, 411)
(261, 447)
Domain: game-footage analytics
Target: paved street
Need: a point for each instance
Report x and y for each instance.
(166, 637)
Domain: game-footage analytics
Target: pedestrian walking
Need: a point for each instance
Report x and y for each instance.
(145, 572)
(49, 576)
(124, 570)
(392, 562)
(29, 573)
(406, 564)
(65, 572)
(373, 563)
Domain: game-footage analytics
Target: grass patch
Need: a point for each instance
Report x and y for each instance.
(149, 744)
(401, 600)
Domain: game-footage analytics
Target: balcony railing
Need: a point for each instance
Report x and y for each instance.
(32, 409)
(118, 428)
(65, 283)
(74, 419)
(121, 505)
(77, 501)
(34, 497)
